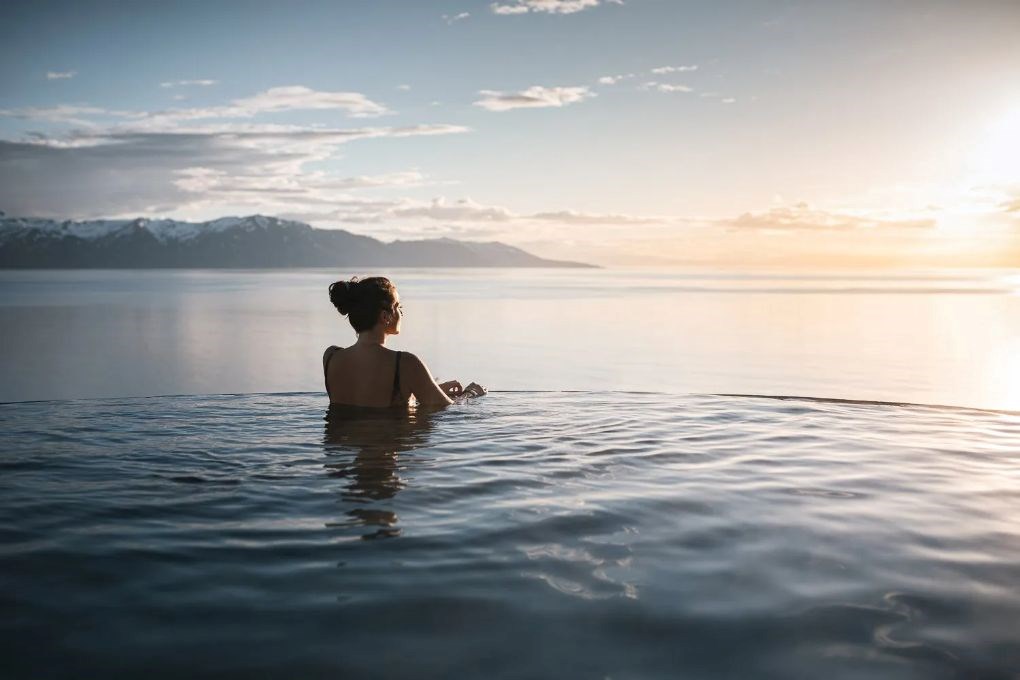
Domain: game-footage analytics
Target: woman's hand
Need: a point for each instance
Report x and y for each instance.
(474, 390)
(451, 388)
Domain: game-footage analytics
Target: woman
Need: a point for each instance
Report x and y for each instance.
(368, 374)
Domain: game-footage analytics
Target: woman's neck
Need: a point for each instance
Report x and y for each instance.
(372, 337)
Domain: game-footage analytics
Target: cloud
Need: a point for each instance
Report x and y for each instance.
(186, 83)
(60, 75)
(1009, 200)
(63, 113)
(665, 87)
(728, 100)
(457, 211)
(1003, 197)
(117, 162)
(273, 100)
(801, 216)
(661, 70)
(613, 80)
(575, 217)
(510, 9)
(357, 210)
(464, 211)
(288, 137)
(452, 19)
(533, 97)
(548, 6)
(115, 171)
(307, 186)
(293, 98)
(403, 87)
(349, 210)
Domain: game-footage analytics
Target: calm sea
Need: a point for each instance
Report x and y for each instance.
(644, 526)
(942, 337)
(525, 535)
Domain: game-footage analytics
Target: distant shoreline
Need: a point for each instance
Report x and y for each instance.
(252, 242)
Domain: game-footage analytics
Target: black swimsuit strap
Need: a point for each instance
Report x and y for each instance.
(396, 379)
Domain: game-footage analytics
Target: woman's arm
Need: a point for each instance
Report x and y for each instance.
(423, 387)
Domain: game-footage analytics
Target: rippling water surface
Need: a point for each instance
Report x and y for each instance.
(592, 535)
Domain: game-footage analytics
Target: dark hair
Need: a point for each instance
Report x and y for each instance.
(361, 301)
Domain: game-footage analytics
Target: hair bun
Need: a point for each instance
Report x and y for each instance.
(341, 294)
(363, 300)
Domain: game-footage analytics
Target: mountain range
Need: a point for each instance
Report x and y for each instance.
(255, 241)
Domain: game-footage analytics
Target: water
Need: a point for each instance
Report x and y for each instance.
(638, 528)
(936, 337)
(527, 534)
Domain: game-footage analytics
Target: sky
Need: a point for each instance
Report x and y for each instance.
(637, 132)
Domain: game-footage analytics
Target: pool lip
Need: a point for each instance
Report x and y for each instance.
(777, 397)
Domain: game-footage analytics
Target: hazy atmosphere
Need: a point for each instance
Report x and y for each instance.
(649, 132)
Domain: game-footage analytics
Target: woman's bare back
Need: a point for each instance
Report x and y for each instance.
(365, 375)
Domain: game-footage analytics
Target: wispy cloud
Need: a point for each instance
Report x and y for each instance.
(1008, 199)
(288, 191)
(548, 6)
(456, 211)
(533, 97)
(613, 80)
(273, 100)
(457, 215)
(662, 70)
(665, 87)
(577, 217)
(62, 113)
(803, 217)
(519, 8)
(451, 19)
(187, 83)
(288, 98)
(60, 75)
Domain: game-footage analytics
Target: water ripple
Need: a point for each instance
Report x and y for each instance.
(637, 535)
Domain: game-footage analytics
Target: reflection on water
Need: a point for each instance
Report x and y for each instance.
(363, 446)
(926, 337)
(591, 535)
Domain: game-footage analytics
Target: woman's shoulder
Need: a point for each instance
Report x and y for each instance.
(413, 364)
(409, 357)
(329, 352)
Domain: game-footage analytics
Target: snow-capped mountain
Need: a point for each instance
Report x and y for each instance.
(253, 241)
(162, 230)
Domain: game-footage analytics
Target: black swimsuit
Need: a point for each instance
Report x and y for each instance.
(396, 399)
